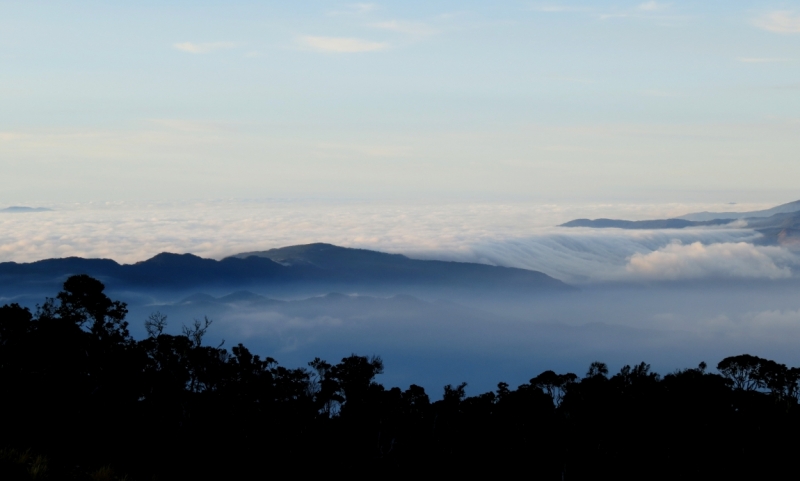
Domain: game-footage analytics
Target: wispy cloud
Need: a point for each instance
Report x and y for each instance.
(559, 8)
(206, 47)
(416, 29)
(363, 7)
(762, 59)
(779, 22)
(355, 9)
(341, 44)
(652, 6)
(646, 10)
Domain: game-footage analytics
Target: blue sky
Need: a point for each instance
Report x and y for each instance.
(548, 101)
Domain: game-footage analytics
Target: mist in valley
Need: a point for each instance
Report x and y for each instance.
(671, 297)
(437, 338)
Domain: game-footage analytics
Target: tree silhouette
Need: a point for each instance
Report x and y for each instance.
(79, 394)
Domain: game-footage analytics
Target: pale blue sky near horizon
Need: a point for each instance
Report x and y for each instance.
(549, 101)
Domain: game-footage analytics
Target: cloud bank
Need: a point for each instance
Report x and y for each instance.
(720, 260)
(513, 235)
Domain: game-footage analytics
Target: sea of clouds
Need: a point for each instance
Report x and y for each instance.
(619, 315)
(508, 234)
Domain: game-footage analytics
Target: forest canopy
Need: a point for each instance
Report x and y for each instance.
(81, 396)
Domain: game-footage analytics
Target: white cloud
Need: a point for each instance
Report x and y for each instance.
(558, 8)
(652, 6)
(779, 22)
(355, 9)
(515, 235)
(363, 7)
(762, 59)
(720, 260)
(648, 10)
(203, 47)
(342, 45)
(416, 29)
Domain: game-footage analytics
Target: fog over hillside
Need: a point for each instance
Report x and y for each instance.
(434, 340)
(671, 297)
(508, 234)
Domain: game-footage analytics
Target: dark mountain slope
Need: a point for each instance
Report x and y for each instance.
(56, 270)
(777, 229)
(321, 265)
(165, 269)
(781, 209)
(361, 265)
(21, 209)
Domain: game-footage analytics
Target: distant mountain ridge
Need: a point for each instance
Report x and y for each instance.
(312, 264)
(642, 224)
(18, 209)
(779, 225)
(781, 209)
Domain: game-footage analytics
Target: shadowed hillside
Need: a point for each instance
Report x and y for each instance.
(88, 401)
(778, 226)
(326, 266)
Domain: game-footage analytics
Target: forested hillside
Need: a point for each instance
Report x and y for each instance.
(82, 399)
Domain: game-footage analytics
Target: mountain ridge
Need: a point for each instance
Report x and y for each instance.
(786, 208)
(781, 227)
(310, 264)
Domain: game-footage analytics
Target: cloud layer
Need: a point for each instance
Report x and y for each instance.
(720, 260)
(515, 235)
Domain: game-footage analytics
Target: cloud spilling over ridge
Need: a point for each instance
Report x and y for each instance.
(592, 255)
(720, 260)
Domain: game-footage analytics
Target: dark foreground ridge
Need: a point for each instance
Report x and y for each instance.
(82, 399)
(322, 264)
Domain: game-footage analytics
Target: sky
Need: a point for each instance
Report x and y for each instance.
(453, 130)
(559, 102)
